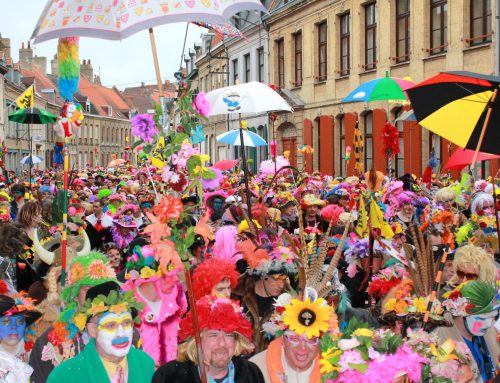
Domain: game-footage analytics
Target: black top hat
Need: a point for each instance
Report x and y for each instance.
(8, 307)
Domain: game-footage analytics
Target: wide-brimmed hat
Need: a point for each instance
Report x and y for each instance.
(311, 200)
(126, 221)
(9, 307)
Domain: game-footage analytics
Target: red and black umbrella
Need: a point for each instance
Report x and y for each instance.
(462, 107)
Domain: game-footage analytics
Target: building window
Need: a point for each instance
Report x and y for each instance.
(368, 138)
(402, 30)
(297, 39)
(322, 51)
(260, 64)
(399, 159)
(280, 48)
(370, 36)
(435, 144)
(235, 72)
(439, 22)
(341, 123)
(480, 21)
(345, 44)
(247, 67)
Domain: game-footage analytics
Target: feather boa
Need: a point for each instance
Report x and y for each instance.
(69, 67)
(390, 140)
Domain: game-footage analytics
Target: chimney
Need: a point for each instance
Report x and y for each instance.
(97, 79)
(54, 69)
(26, 56)
(5, 46)
(87, 70)
(39, 63)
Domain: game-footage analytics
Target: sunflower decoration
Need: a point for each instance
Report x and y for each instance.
(310, 317)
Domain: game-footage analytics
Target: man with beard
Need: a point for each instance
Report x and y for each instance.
(225, 335)
(108, 357)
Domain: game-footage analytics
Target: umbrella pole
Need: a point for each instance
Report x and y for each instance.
(483, 130)
(495, 203)
(30, 157)
(164, 123)
(245, 172)
(65, 211)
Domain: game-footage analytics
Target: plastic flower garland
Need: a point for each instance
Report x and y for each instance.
(445, 358)
(387, 278)
(114, 303)
(364, 355)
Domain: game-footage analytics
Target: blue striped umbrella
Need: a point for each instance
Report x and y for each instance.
(249, 138)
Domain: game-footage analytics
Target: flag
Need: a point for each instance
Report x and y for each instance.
(157, 157)
(358, 150)
(362, 225)
(377, 220)
(27, 99)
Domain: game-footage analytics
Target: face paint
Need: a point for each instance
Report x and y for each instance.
(114, 333)
(12, 328)
(478, 325)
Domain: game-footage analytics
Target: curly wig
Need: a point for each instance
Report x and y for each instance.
(471, 256)
(210, 272)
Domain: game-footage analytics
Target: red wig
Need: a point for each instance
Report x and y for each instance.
(210, 272)
(216, 314)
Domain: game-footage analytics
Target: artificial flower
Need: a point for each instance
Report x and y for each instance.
(97, 308)
(147, 272)
(98, 270)
(306, 317)
(363, 332)
(156, 229)
(201, 104)
(76, 273)
(143, 126)
(348, 344)
(419, 305)
(169, 208)
(119, 308)
(80, 321)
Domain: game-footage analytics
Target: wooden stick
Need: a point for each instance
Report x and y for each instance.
(155, 60)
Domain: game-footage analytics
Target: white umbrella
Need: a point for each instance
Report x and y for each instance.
(251, 97)
(233, 137)
(31, 160)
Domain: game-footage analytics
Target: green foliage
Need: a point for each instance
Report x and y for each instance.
(352, 326)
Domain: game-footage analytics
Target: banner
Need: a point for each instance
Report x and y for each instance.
(27, 99)
(157, 158)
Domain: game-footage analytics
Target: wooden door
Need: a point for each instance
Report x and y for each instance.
(290, 144)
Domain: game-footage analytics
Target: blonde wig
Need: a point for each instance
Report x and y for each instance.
(444, 194)
(187, 351)
(470, 256)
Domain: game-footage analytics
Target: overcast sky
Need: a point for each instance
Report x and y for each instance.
(123, 64)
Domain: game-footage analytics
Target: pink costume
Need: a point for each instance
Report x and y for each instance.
(160, 319)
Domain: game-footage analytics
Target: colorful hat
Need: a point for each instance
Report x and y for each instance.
(210, 272)
(19, 305)
(277, 260)
(116, 197)
(126, 221)
(472, 298)
(216, 314)
(90, 270)
(311, 200)
(103, 193)
(4, 197)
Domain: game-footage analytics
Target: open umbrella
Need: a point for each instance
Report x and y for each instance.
(462, 107)
(225, 164)
(383, 88)
(460, 158)
(31, 160)
(250, 98)
(233, 137)
(115, 163)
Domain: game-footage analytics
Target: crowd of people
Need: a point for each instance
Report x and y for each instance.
(314, 278)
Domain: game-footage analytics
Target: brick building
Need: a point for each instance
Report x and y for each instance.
(320, 51)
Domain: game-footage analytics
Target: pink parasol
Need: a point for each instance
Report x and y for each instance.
(461, 158)
(225, 164)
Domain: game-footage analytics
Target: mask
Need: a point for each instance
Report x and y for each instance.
(114, 333)
(12, 325)
(478, 325)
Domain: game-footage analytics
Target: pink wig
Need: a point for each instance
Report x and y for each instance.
(403, 198)
(225, 244)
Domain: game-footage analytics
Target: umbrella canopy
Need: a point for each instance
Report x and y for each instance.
(225, 164)
(116, 20)
(31, 160)
(249, 138)
(461, 158)
(455, 106)
(251, 97)
(32, 116)
(384, 88)
(117, 162)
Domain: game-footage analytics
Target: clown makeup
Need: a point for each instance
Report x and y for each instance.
(114, 334)
(479, 324)
(12, 329)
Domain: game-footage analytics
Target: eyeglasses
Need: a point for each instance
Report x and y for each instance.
(467, 276)
(279, 277)
(112, 325)
(448, 200)
(295, 340)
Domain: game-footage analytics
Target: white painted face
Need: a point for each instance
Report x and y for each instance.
(478, 325)
(114, 333)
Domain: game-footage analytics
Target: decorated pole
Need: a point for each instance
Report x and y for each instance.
(70, 120)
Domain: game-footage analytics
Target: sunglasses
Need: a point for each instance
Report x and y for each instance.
(467, 276)
(296, 340)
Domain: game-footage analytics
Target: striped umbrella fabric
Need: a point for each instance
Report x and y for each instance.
(249, 138)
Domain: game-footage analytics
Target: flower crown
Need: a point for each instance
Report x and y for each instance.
(115, 302)
(143, 265)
